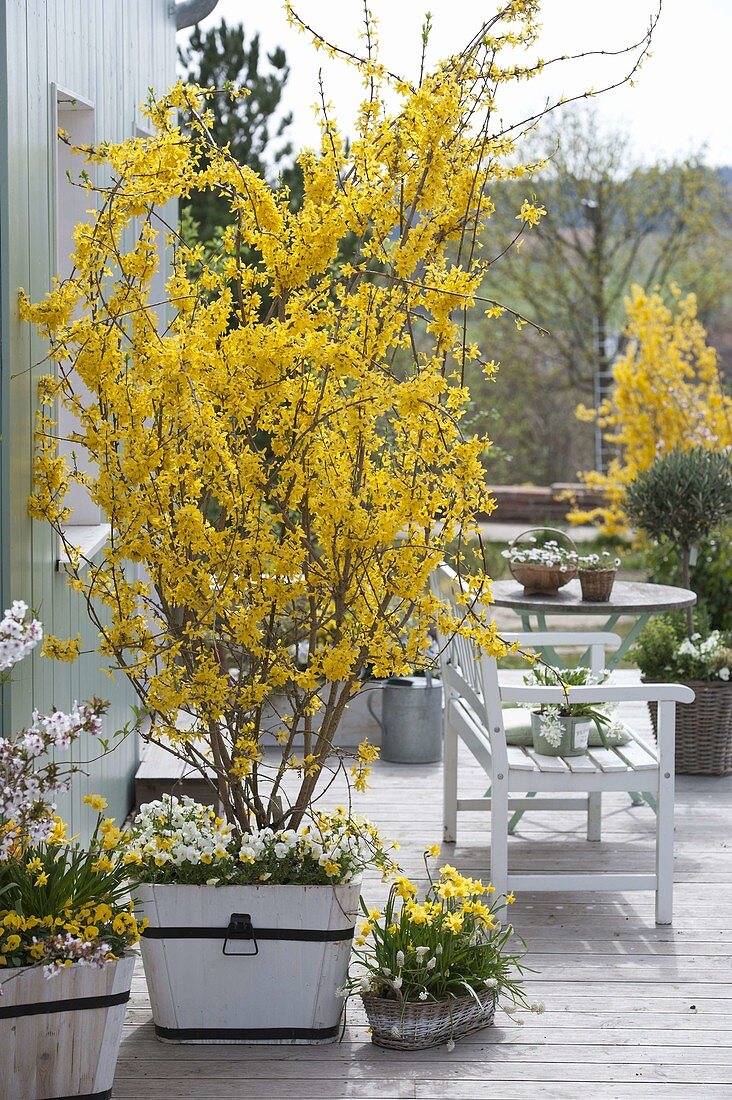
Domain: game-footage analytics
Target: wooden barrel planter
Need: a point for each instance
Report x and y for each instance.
(247, 964)
(59, 1037)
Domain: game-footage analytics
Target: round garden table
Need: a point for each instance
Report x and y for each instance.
(628, 598)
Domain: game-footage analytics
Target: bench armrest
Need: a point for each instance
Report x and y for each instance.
(602, 693)
(539, 638)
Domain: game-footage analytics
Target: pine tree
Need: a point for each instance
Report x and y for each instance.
(251, 125)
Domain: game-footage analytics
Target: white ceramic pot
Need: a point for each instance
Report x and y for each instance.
(60, 1037)
(273, 980)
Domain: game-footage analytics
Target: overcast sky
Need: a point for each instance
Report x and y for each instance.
(681, 104)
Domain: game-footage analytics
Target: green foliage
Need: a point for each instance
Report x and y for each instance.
(250, 125)
(682, 497)
(655, 649)
(711, 576)
(663, 653)
(73, 880)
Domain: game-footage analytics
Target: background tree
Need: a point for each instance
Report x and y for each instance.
(610, 222)
(252, 125)
(667, 395)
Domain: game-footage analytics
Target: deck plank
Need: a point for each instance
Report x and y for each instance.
(631, 1010)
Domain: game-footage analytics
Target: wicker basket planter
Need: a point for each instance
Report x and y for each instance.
(541, 580)
(415, 1025)
(538, 579)
(596, 584)
(703, 729)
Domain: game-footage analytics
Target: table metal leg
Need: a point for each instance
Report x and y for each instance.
(514, 820)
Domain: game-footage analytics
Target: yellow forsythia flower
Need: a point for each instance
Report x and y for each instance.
(59, 650)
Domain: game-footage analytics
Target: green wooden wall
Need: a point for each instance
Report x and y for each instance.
(110, 52)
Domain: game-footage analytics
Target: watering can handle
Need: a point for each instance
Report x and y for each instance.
(373, 713)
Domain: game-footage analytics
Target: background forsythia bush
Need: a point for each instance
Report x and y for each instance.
(279, 445)
(667, 395)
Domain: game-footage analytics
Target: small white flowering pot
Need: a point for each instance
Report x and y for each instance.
(560, 736)
(247, 964)
(60, 1037)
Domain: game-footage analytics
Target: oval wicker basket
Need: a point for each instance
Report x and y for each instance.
(541, 580)
(596, 584)
(703, 729)
(415, 1025)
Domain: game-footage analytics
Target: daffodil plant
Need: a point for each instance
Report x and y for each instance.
(452, 943)
(62, 905)
(278, 442)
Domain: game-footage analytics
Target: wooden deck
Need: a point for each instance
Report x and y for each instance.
(631, 1010)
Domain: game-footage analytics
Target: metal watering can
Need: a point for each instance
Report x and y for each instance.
(411, 721)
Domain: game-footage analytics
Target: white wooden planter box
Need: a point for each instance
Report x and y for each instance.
(286, 992)
(60, 1037)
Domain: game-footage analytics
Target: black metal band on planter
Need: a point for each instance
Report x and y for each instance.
(76, 1004)
(106, 1095)
(314, 935)
(246, 1033)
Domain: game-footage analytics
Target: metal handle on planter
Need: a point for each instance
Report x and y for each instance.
(240, 928)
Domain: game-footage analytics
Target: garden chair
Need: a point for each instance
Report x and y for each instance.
(474, 714)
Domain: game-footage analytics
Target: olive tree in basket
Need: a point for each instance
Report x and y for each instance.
(681, 498)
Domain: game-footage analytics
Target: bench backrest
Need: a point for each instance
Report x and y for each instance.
(467, 673)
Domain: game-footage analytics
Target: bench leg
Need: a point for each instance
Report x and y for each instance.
(450, 784)
(665, 814)
(594, 815)
(499, 835)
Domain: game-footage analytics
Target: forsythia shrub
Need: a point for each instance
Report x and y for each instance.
(279, 443)
(668, 394)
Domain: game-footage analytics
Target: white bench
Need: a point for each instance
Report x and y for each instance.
(474, 715)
